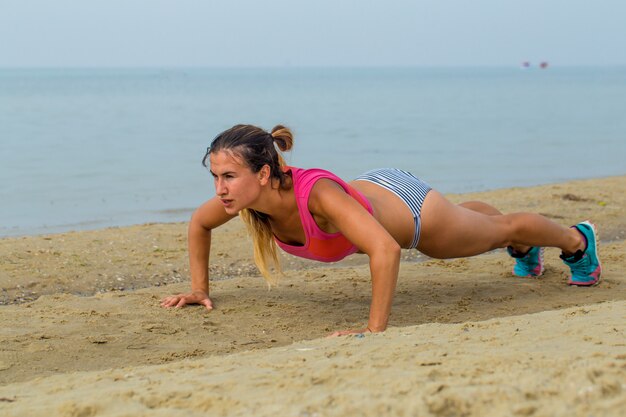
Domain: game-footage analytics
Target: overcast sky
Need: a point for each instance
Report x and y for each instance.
(250, 33)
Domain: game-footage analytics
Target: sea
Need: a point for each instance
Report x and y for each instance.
(100, 147)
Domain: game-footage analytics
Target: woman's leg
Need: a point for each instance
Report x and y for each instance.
(485, 208)
(481, 207)
(452, 231)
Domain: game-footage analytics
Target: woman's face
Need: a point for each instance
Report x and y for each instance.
(235, 184)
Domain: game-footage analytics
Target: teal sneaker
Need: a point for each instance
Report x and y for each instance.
(585, 266)
(529, 264)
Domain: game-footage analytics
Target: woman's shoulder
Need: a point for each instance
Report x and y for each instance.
(305, 178)
(315, 173)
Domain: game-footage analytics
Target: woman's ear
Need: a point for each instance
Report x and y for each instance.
(264, 174)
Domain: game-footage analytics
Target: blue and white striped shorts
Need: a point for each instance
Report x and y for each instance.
(405, 185)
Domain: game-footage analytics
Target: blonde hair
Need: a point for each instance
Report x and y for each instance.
(257, 148)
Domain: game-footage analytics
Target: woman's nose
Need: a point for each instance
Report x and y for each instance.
(220, 189)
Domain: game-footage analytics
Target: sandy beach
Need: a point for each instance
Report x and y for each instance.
(83, 334)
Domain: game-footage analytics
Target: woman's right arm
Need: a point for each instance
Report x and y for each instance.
(206, 218)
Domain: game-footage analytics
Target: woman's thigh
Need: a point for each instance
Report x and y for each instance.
(452, 231)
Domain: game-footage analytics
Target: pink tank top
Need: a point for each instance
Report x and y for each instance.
(319, 245)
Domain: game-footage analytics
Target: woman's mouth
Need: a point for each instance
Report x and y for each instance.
(226, 203)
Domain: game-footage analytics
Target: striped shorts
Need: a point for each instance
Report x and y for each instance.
(405, 185)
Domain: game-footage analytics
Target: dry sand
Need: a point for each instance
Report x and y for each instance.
(82, 332)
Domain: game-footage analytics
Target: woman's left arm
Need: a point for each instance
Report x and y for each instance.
(330, 201)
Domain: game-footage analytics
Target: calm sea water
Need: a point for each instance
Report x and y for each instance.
(91, 148)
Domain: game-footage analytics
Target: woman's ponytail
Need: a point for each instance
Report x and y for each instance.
(282, 137)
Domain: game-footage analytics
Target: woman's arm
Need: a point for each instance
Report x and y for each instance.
(330, 201)
(207, 217)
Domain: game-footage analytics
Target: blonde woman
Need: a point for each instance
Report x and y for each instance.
(314, 214)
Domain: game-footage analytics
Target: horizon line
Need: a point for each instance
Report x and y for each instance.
(254, 67)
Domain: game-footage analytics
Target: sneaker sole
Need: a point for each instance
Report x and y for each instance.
(596, 237)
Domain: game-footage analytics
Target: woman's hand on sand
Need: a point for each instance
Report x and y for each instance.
(348, 332)
(180, 300)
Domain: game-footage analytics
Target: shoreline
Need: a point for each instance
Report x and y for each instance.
(94, 225)
(465, 337)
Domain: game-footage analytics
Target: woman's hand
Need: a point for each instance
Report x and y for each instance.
(347, 332)
(195, 297)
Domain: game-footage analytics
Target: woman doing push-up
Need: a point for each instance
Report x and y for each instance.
(314, 214)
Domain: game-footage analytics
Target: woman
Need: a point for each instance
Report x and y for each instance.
(314, 214)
